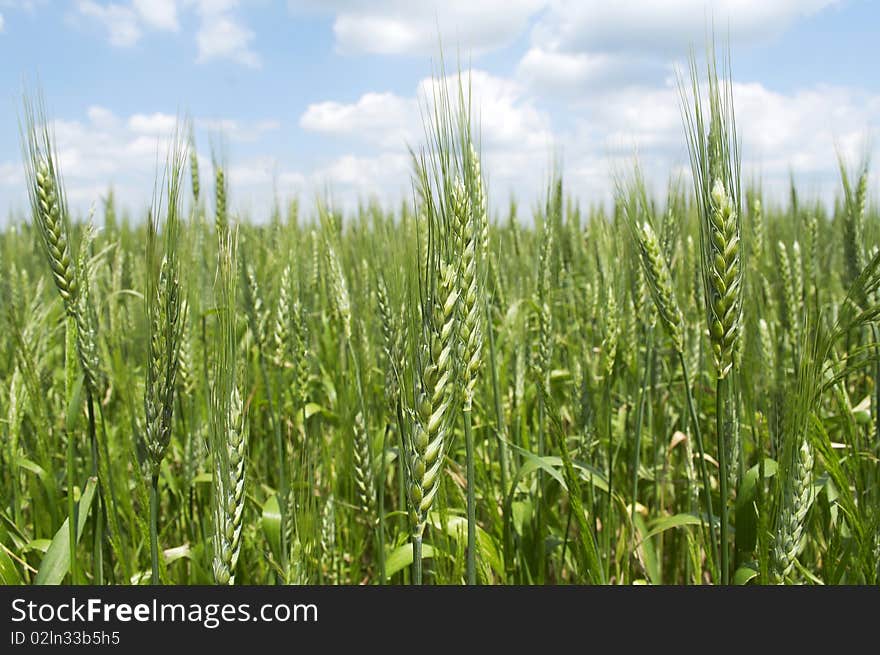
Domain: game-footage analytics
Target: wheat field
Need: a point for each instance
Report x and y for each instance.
(460, 390)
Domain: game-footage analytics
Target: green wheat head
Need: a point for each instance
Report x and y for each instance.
(715, 164)
(166, 310)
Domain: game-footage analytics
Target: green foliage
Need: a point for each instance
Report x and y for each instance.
(457, 390)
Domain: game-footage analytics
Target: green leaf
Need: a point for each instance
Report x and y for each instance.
(592, 475)
(747, 515)
(402, 556)
(522, 514)
(745, 573)
(746, 511)
(40, 545)
(74, 407)
(559, 377)
(533, 463)
(456, 527)
(33, 467)
(826, 484)
(9, 532)
(170, 555)
(271, 523)
(47, 480)
(177, 552)
(56, 561)
(8, 571)
(649, 554)
(326, 414)
(169, 478)
(670, 522)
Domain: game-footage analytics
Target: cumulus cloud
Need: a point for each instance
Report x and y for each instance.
(512, 118)
(405, 27)
(345, 181)
(104, 149)
(631, 26)
(236, 130)
(803, 131)
(158, 14)
(152, 124)
(24, 5)
(214, 6)
(384, 119)
(581, 45)
(120, 21)
(222, 33)
(799, 132)
(593, 86)
(2, 23)
(508, 115)
(569, 75)
(514, 134)
(102, 118)
(10, 174)
(662, 26)
(353, 176)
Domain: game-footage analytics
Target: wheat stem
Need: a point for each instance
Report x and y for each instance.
(701, 453)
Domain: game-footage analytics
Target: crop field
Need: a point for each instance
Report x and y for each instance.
(465, 389)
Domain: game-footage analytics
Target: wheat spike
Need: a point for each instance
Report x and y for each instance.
(431, 431)
(724, 278)
(659, 282)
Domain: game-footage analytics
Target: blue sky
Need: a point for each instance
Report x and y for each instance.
(303, 96)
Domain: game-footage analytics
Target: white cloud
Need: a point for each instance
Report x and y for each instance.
(402, 26)
(105, 149)
(571, 74)
(253, 171)
(237, 130)
(612, 62)
(160, 123)
(512, 118)
(662, 26)
(563, 70)
(23, 5)
(2, 22)
(380, 118)
(255, 181)
(158, 14)
(643, 117)
(125, 23)
(102, 118)
(10, 174)
(291, 181)
(578, 46)
(350, 179)
(214, 6)
(645, 26)
(366, 174)
(507, 114)
(153, 124)
(120, 21)
(221, 36)
(780, 132)
(515, 136)
(804, 129)
(797, 131)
